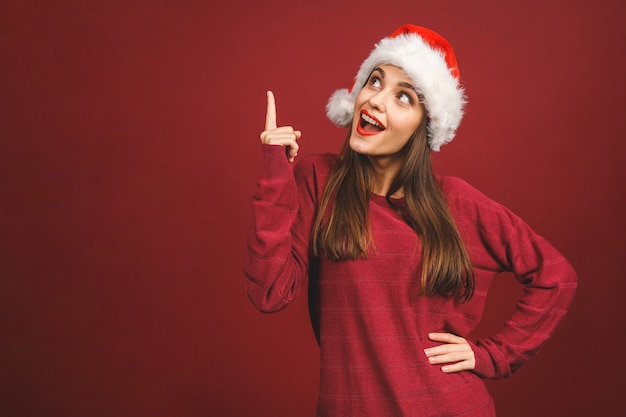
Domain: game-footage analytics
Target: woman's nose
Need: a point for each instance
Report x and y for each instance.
(377, 100)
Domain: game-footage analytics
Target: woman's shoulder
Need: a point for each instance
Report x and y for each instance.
(454, 187)
(463, 197)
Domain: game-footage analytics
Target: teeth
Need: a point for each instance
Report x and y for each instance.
(370, 120)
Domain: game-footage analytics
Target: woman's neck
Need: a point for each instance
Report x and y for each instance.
(385, 171)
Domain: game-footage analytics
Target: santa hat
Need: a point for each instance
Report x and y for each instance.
(428, 59)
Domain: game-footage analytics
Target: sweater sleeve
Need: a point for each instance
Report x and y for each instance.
(549, 285)
(277, 257)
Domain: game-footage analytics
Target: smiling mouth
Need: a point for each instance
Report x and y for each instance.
(369, 125)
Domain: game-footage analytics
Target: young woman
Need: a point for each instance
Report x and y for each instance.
(398, 260)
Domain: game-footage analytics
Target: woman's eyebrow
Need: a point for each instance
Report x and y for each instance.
(382, 73)
(400, 83)
(409, 86)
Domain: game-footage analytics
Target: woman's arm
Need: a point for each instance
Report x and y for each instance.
(549, 286)
(276, 260)
(498, 240)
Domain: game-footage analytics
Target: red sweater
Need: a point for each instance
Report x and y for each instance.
(371, 325)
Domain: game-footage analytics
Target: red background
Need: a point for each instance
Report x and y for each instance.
(128, 154)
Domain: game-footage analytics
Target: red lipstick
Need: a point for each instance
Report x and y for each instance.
(368, 125)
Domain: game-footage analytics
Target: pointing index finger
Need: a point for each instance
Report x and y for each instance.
(270, 115)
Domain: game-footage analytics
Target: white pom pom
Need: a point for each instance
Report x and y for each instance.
(340, 107)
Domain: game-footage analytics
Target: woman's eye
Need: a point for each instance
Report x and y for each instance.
(375, 82)
(405, 98)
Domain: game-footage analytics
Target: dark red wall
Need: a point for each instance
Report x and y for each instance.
(129, 150)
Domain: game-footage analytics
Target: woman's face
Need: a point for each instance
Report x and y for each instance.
(386, 113)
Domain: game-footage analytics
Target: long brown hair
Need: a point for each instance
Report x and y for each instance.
(342, 228)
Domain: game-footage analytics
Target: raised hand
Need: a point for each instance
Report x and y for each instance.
(284, 135)
(455, 352)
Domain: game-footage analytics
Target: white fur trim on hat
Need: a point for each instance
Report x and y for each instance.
(442, 94)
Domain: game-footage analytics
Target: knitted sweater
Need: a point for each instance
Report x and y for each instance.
(371, 325)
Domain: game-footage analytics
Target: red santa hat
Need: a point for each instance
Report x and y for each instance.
(428, 59)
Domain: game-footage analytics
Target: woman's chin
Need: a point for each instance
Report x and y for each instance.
(357, 144)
